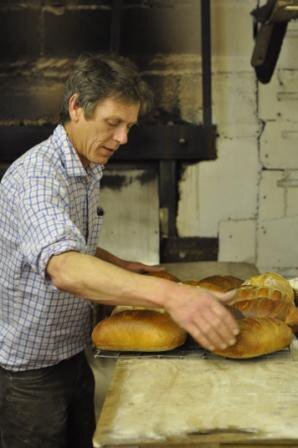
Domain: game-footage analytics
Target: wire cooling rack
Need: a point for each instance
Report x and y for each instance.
(188, 349)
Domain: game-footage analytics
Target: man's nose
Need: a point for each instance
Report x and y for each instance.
(121, 135)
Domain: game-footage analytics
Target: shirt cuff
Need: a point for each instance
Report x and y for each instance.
(56, 249)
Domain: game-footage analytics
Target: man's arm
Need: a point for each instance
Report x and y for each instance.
(196, 310)
(133, 266)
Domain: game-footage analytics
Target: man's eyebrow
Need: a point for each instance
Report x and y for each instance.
(115, 117)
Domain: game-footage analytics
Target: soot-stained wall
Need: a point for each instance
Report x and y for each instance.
(40, 38)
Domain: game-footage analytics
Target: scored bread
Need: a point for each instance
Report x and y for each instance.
(257, 337)
(226, 282)
(249, 292)
(264, 307)
(205, 284)
(138, 330)
(274, 281)
(222, 283)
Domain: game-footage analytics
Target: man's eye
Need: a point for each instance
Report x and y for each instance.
(112, 123)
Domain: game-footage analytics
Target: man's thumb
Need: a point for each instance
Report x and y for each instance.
(225, 297)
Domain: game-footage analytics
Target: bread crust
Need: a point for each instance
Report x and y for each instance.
(138, 330)
(257, 337)
(250, 292)
(264, 307)
(274, 281)
(222, 283)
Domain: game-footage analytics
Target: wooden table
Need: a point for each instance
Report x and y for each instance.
(202, 402)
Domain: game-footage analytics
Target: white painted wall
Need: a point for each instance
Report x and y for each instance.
(131, 223)
(248, 197)
(277, 232)
(222, 195)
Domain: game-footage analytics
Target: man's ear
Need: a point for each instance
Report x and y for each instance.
(74, 108)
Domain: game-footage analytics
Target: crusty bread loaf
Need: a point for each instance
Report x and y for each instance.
(249, 292)
(220, 283)
(274, 281)
(292, 319)
(264, 307)
(226, 282)
(163, 274)
(270, 308)
(207, 285)
(138, 330)
(258, 336)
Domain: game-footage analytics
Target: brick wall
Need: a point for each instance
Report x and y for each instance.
(40, 38)
(277, 230)
(248, 196)
(219, 198)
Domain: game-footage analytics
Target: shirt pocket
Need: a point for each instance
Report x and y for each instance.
(95, 223)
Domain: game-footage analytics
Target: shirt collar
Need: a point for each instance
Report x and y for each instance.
(72, 162)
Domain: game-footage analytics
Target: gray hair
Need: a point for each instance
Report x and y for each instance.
(97, 77)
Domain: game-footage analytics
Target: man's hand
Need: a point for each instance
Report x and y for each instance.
(201, 314)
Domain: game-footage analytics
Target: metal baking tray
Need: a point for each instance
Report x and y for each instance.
(188, 349)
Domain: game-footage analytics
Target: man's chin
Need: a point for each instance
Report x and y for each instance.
(102, 160)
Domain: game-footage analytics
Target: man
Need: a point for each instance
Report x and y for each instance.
(50, 268)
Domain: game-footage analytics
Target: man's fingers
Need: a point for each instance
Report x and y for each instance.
(221, 335)
(200, 337)
(225, 317)
(217, 326)
(205, 318)
(211, 333)
(215, 329)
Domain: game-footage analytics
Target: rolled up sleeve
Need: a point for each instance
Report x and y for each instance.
(45, 224)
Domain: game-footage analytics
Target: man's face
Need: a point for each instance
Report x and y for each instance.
(97, 138)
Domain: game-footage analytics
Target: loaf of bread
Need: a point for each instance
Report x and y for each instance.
(257, 337)
(292, 319)
(270, 308)
(163, 274)
(274, 281)
(220, 283)
(264, 307)
(204, 284)
(226, 282)
(249, 292)
(138, 330)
